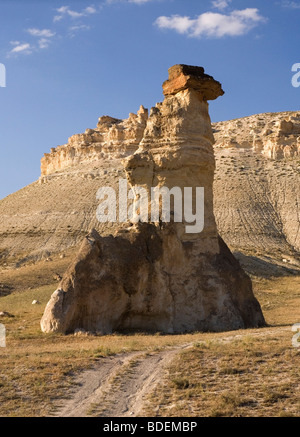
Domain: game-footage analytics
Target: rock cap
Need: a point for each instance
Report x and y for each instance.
(183, 77)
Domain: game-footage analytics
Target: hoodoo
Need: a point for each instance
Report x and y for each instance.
(156, 276)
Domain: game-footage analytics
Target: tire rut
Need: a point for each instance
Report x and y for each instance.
(118, 386)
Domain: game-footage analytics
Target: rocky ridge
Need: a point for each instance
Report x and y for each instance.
(111, 137)
(274, 135)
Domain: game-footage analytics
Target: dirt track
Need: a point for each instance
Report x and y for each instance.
(117, 386)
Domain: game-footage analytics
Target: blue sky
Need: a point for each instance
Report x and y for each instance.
(69, 62)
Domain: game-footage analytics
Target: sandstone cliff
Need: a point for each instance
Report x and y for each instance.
(156, 276)
(275, 136)
(257, 190)
(111, 137)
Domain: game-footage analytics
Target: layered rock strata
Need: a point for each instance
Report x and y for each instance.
(111, 137)
(156, 276)
(274, 135)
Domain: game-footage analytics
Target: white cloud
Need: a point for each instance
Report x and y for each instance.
(291, 4)
(221, 4)
(44, 33)
(24, 48)
(64, 11)
(80, 27)
(75, 14)
(212, 24)
(44, 36)
(139, 2)
(74, 29)
(43, 43)
(57, 18)
(90, 10)
(175, 22)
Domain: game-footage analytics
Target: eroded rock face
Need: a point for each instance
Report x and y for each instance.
(157, 276)
(148, 280)
(176, 151)
(111, 137)
(256, 188)
(274, 135)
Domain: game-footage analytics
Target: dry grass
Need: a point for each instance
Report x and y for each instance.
(253, 376)
(279, 299)
(36, 369)
(249, 375)
(36, 274)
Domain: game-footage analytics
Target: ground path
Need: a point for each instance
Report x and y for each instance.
(117, 386)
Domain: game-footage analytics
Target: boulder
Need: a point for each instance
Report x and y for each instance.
(148, 280)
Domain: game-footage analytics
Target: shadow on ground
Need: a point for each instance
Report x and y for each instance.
(266, 267)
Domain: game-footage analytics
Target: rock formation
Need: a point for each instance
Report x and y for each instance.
(256, 198)
(156, 276)
(256, 192)
(276, 136)
(112, 136)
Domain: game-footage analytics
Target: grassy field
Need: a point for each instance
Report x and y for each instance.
(251, 373)
(256, 375)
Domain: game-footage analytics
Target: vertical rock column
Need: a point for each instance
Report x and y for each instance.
(176, 150)
(158, 277)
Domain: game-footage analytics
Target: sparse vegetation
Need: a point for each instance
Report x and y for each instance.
(256, 377)
(254, 372)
